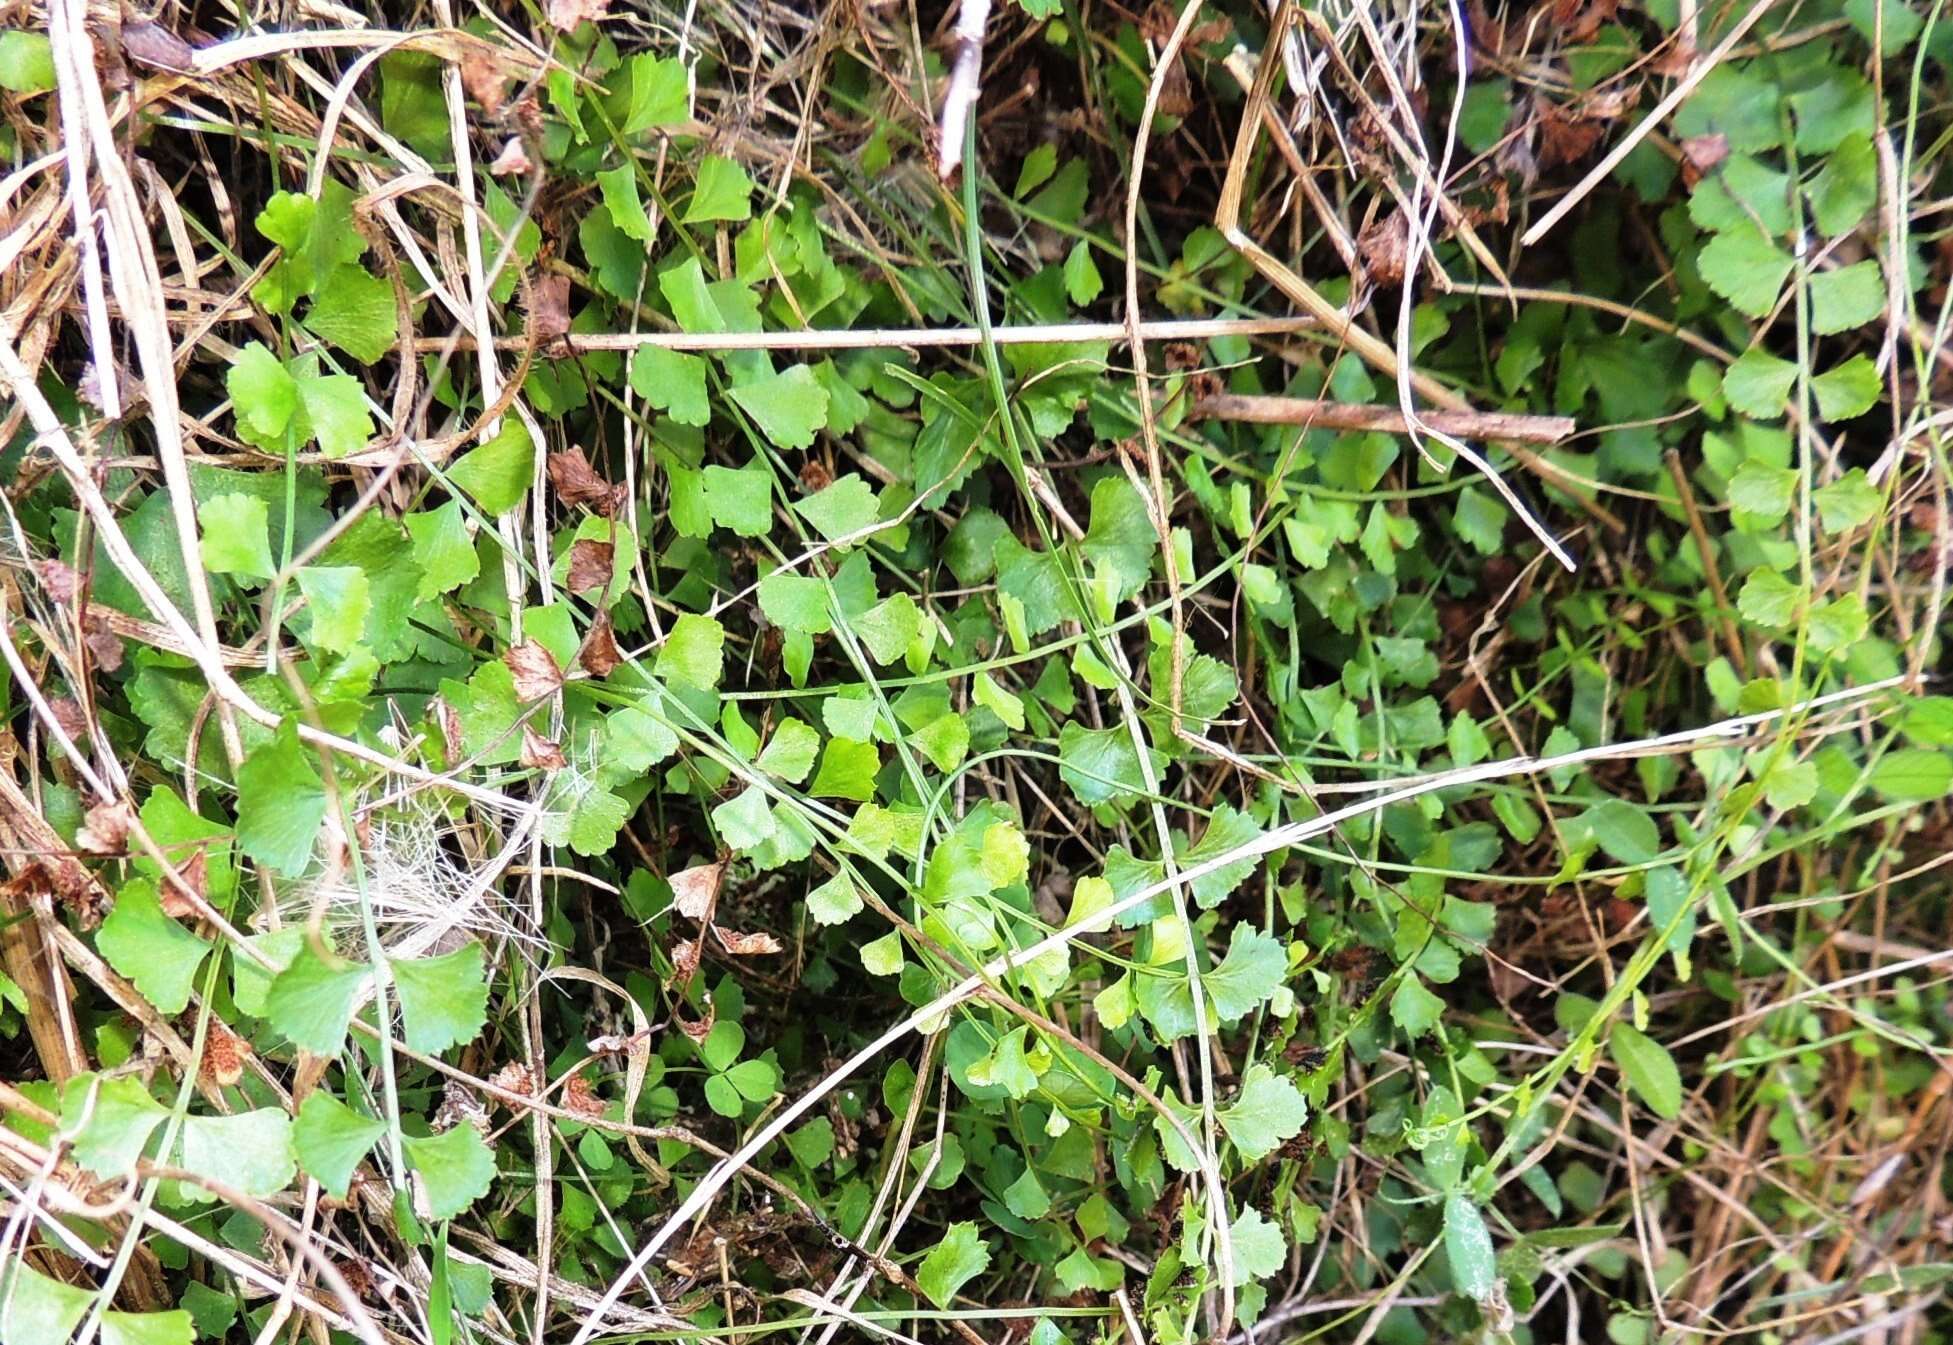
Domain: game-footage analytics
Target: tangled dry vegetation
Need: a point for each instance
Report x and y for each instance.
(1026, 671)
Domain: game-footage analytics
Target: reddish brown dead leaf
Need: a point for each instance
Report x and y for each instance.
(539, 753)
(1701, 154)
(195, 873)
(745, 945)
(102, 641)
(565, 15)
(581, 1098)
(105, 830)
(684, 959)
(549, 313)
(512, 161)
(68, 716)
(1564, 137)
(590, 564)
(535, 669)
(224, 1053)
(484, 79)
(60, 580)
(514, 1077)
(599, 654)
(1385, 247)
(700, 1029)
(693, 890)
(577, 482)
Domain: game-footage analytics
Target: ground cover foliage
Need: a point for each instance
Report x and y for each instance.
(634, 715)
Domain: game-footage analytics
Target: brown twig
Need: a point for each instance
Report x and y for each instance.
(1316, 414)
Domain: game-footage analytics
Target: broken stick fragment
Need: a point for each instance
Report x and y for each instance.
(965, 82)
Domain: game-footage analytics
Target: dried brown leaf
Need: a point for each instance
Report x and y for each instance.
(581, 1098)
(599, 654)
(693, 890)
(565, 15)
(549, 311)
(684, 959)
(577, 482)
(105, 829)
(539, 753)
(484, 79)
(224, 1053)
(195, 873)
(512, 161)
(536, 672)
(102, 641)
(60, 580)
(590, 564)
(745, 945)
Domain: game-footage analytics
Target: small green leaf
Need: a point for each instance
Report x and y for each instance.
(443, 1000)
(844, 507)
(795, 602)
(847, 771)
(834, 902)
(1468, 1246)
(1269, 1112)
(723, 191)
(883, 956)
(1082, 281)
(693, 652)
(1758, 382)
(953, 1262)
(1847, 390)
(889, 627)
(788, 406)
(332, 1140)
(108, 1122)
(790, 752)
(497, 474)
(673, 382)
(1745, 268)
(1913, 775)
(443, 549)
(281, 802)
(1845, 298)
(1648, 1068)
(236, 536)
(250, 1152)
(34, 1307)
(263, 394)
(1627, 833)
(333, 409)
(455, 1169)
(1259, 1248)
(355, 311)
(150, 948)
(26, 66)
(985, 690)
(1769, 600)
(1846, 189)
(619, 189)
(1837, 625)
(745, 822)
(1762, 492)
(311, 1001)
(173, 1327)
(1248, 976)
(1848, 502)
(1414, 1008)
(740, 499)
(339, 598)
